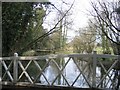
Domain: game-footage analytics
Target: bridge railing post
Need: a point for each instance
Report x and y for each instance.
(15, 68)
(94, 69)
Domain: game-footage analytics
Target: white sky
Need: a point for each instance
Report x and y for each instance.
(79, 14)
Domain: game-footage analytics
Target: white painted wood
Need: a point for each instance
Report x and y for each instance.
(7, 71)
(15, 67)
(87, 58)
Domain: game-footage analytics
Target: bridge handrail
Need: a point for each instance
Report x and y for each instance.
(52, 56)
(16, 60)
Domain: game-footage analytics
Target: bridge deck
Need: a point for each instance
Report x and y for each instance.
(43, 87)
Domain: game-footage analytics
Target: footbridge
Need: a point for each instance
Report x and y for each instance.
(58, 72)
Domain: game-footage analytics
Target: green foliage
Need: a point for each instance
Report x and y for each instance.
(21, 24)
(85, 41)
(55, 39)
(58, 42)
(105, 41)
(29, 53)
(15, 19)
(23, 30)
(100, 50)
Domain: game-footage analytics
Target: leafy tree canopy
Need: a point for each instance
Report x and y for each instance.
(18, 22)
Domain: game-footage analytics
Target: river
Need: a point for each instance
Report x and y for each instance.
(70, 72)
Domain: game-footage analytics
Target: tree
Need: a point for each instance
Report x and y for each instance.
(54, 28)
(37, 29)
(22, 27)
(105, 13)
(15, 18)
(85, 41)
(59, 38)
(102, 39)
(21, 23)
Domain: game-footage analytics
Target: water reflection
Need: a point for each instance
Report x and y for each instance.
(70, 72)
(50, 72)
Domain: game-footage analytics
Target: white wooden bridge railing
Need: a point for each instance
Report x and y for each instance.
(93, 70)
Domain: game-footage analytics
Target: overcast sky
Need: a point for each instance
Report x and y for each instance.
(79, 11)
(79, 14)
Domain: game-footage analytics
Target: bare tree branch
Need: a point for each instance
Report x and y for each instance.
(104, 15)
(47, 33)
